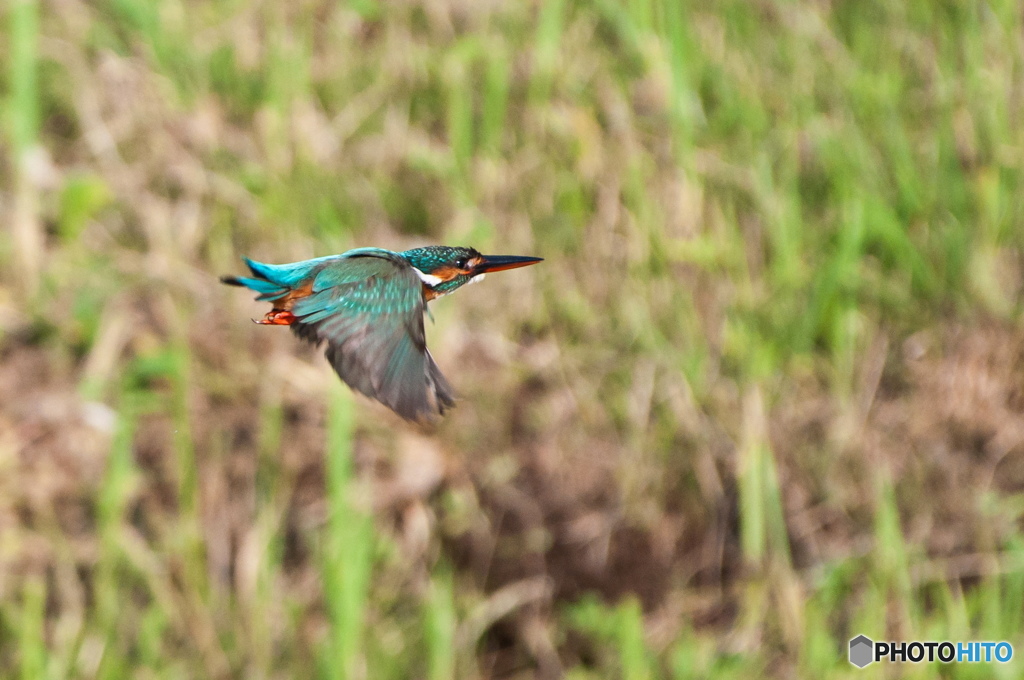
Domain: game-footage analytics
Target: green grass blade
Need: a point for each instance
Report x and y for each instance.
(439, 628)
(347, 558)
(31, 641)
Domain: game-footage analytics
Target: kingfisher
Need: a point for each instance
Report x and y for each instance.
(368, 304)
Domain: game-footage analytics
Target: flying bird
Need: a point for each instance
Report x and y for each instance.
(368, 304)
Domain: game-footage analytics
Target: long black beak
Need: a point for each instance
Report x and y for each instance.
(497, 263)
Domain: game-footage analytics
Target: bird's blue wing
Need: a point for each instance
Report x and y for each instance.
(369, 311)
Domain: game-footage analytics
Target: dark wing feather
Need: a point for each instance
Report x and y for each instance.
(369, 310)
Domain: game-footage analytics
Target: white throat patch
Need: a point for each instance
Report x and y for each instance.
(428, 279)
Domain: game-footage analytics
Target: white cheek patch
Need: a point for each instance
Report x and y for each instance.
(428, 279)
(478, 278)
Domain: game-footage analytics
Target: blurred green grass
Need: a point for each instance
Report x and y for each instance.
(753, 215)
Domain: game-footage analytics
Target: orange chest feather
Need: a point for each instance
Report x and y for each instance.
(288, 300)
(444, 274)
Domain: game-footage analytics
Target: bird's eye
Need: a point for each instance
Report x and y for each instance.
(462, 262)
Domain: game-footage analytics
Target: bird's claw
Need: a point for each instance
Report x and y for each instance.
(276, 317)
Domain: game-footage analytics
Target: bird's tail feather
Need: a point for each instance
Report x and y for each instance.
(260, 270)
(268, 290)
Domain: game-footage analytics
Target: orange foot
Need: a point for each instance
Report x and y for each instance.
(277, 317)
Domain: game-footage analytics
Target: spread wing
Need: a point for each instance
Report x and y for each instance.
(369, 311)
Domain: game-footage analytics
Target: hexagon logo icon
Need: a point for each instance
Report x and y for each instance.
(861, 651)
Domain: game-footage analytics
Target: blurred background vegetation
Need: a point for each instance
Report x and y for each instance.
(766, 393)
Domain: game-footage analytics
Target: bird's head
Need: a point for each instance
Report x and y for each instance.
(443, 268)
